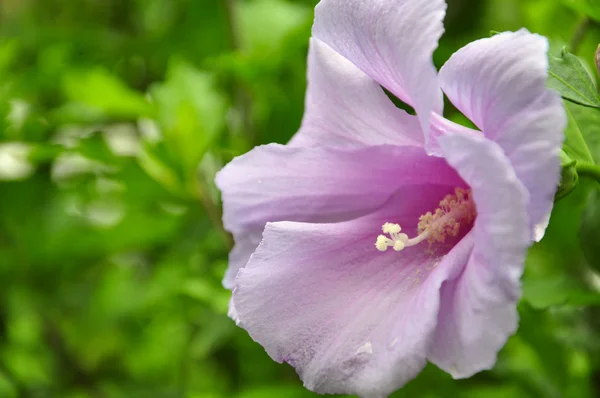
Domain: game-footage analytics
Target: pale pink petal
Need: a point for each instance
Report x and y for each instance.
(346, 108)
(245, 244)
(539, 230)
(441, 126)
(232, 312)
(276, 183)
(392, 41)
(478, 311)
(349, 318)
(500, 84)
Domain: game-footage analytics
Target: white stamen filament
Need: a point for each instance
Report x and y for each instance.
(446, 221)
(398, 241)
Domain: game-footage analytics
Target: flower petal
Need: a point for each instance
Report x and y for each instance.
(478, 311)
(232, 312)
(440, 126)
(245, 244)
(392, 41)
(346, 108)
(500, 84)
(277, 183)
(349, 318)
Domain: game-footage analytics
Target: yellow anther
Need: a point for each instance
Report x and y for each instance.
(398, 245)
(389, 228)
(382, 243)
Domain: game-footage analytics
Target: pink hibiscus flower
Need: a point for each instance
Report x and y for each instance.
(377, 240)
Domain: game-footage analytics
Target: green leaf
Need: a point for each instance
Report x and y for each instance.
(590, 8)
(547, 373)
(44, 153)
(203, 291)
(589, 230)
(156, 161)
(568, 76)
(95, 147)
(551, 291)
(265, 23)
(102, 91)
(583, 133)
(578, 128)
(7, 388)
(191, 113)
(558, 255)
(275, 392)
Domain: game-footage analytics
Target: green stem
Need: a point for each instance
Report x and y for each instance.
(232, 31)
(241, 96)
(588, 170)
(214, 213)
(580, 31)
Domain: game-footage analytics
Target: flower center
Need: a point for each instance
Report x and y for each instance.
(455, 209)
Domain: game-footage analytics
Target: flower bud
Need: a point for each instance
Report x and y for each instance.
(597, 59)
(569, 177)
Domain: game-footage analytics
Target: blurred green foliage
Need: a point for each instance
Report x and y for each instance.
(115, 116)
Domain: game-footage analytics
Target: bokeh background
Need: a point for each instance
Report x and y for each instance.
(115, 116)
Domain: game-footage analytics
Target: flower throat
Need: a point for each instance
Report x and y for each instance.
(455, 210)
